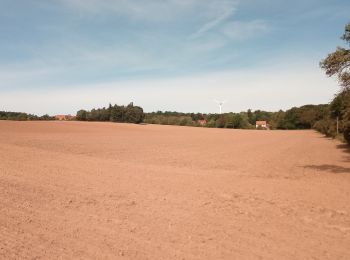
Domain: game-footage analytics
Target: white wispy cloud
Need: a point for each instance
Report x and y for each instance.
(225, 10)
(151, 10)
(224, 24)
(241, 30)
(72, 60)
(76, 51)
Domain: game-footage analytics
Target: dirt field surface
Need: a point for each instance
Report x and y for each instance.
(75, 190)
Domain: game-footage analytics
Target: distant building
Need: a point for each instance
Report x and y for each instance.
(261, 124)
(64, 117)
(202, 122)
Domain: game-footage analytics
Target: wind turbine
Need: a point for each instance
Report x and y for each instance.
(220, 103)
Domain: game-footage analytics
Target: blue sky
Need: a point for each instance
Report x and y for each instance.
(58, 56)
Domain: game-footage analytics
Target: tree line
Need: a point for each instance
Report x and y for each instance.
(304, 117)
(116, 113)
(20, 116)
(338, 64)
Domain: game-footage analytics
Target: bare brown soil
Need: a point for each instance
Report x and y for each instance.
(73, 190)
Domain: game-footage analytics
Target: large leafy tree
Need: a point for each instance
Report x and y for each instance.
(338, 62)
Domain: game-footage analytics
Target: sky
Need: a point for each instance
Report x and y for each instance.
(59, 56)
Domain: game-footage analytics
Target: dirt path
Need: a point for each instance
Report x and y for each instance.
(71, 190)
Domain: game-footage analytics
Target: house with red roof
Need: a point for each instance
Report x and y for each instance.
(64, 117)
(261, 124)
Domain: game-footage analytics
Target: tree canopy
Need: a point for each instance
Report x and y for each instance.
(116, 113)
(21, 116)
(338, 62)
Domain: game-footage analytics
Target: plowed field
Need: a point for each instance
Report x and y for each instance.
(79, 190)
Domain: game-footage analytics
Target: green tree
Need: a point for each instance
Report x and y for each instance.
(244, 121)
(82, 115)
(133, 114)
(277, 120)
(211, 123)
(220, 122)
(237, 120)
(230, 121)
(338, 62)
(251, 117)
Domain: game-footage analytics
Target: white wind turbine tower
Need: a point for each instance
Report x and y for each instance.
(220, 103)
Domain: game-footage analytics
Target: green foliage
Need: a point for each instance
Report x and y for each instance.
(127, 114)
(346, 133)
(81, 115)
(277, 120)
(251, 117)
(220, 122)
(295, 118)
(211, 123)
(244, 122)
(20, 116)
(133, 114)
(345, 115)
(230, 121)
(173, 118)
(326, 127)
(338, 62)
(346, 35)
